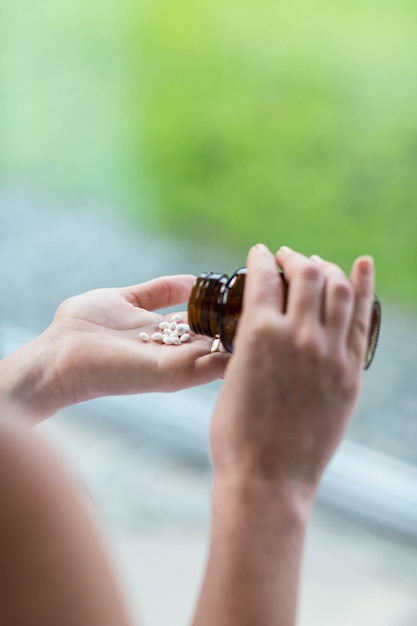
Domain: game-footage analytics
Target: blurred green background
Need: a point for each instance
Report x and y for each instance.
(231, 122)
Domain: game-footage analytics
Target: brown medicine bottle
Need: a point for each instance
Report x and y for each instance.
(215, 305)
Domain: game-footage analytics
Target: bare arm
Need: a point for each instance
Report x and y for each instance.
(289, 392)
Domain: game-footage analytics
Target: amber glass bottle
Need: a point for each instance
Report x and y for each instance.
(215, 305)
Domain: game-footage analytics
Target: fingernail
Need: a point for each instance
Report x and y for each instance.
(261, 247)
(366, 265)
(316, 258)
(284, 249)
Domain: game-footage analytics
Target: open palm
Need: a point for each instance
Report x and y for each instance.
(101, 353)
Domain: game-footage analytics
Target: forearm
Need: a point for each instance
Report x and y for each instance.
(255, 556)
(29, 378)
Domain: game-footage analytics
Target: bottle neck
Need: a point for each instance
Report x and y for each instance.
(232, 308)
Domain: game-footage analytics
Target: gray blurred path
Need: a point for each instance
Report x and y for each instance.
(49, 252)
(153, 505)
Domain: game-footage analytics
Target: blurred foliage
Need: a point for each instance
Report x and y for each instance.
(232, 122)
(284, 122)
(63, 76)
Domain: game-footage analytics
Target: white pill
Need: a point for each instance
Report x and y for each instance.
(163, 325)
(176, 341)
(185, 337)
(181, 329)
(157, 336)
(176, 318)
(167, 340)
(173, 325)
(167, 331)
(144, 336)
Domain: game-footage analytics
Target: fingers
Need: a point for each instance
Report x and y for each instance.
(320, 290)
(160, 292)
(190, 365)
(263, 286)
(306, 280)
(363, 278)
(338, 299)
(209, 368)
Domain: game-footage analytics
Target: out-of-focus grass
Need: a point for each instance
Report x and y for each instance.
(235, 122)
(291, 122)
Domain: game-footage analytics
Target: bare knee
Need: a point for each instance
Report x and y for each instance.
(53, 568)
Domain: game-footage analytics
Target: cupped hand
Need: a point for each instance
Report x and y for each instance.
(98, 352)
(295, 376)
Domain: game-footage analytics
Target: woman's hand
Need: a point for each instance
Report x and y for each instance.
(92, 349)
(294, 378)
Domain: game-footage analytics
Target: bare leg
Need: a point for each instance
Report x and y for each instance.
(53, 569)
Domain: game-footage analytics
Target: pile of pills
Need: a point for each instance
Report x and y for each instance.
(172, 333)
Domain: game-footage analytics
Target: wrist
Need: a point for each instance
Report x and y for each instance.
(29, 377)
(263, 503)
(257, 536)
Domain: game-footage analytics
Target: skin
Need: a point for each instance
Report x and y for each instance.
(275, 427)
(288, 394)
(92, 349)
(53, 568)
